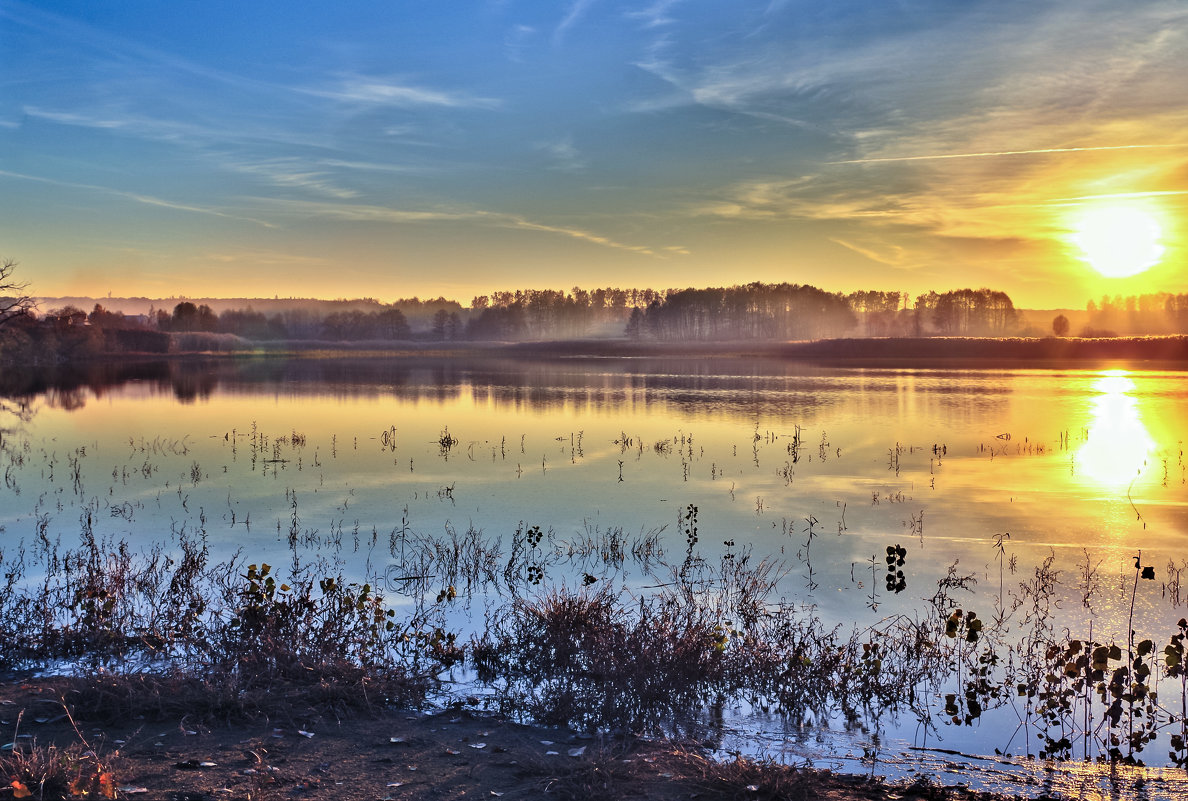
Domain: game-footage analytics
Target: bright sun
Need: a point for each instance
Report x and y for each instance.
(1118, 241)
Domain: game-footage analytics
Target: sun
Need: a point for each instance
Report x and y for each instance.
(1118, 240)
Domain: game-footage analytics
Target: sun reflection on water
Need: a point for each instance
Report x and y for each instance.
(1118, 444)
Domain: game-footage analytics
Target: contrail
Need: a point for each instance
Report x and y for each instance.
(1038, 151)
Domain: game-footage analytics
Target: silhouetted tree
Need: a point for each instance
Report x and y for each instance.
(14, 300)
(189, 317)
(440, 318)
(1060, 325)
(635, 324)
(391, 324)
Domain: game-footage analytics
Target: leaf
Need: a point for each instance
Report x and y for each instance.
(1149, 573)
(19, 790)
(577, 752)
(107, 786)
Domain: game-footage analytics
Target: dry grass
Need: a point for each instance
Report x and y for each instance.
(51, 772)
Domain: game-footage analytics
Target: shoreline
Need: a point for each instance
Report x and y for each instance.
(396, 754)
(893, 351)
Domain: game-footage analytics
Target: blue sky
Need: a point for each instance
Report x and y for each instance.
(390, 149)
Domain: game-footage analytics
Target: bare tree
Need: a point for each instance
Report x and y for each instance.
(14, 302)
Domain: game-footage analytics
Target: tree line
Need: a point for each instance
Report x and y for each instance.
(1131, 315)
(755, 311)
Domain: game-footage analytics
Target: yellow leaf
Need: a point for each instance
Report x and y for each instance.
(19, 790)
(107, 786)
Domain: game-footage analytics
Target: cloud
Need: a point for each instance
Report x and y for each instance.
(124, 54)
(933, 149)
(289, 172)
(564, 155)
(73, 118)
(148, 200)
(893, 257)
(370, 166)
(515, 43)
(375, 91)
(243, 131)
(577, 10)
(357, 212)
(361, 212)
(263, 257)
(655, 15)
(512, 221)
(1034, 152)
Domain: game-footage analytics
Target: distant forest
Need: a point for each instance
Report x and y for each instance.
(756, 311)
(1136, 315)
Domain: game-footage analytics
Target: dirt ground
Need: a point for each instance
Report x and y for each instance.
(400, 755)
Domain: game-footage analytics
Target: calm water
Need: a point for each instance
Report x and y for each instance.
(820, 469)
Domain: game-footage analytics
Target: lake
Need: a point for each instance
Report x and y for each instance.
(818, 469)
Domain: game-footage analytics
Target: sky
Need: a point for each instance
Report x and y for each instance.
(391, 149)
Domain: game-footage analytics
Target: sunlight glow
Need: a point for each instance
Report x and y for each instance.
(1118, 443)
(1118, 240)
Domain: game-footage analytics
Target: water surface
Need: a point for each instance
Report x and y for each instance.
(818, 469)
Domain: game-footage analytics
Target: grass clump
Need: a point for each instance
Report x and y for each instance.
(50, 772)
(158, 633)
(581, 658)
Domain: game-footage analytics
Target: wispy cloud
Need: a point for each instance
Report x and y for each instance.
(292, 173)
(370, 166)
(563, 154)
(515, 43)
(148, 200)
(128, 54)
(1033, 152)
(577, 9)
(362, 212)
(262, 257)
(243, 131)
(388, 92)
(75, 118)
(358, 212)
(512, 221)
(892, 255)
(655, 15)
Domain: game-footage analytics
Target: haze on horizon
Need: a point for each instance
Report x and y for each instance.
(391, 150)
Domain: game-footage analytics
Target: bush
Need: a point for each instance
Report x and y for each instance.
(580, 658)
